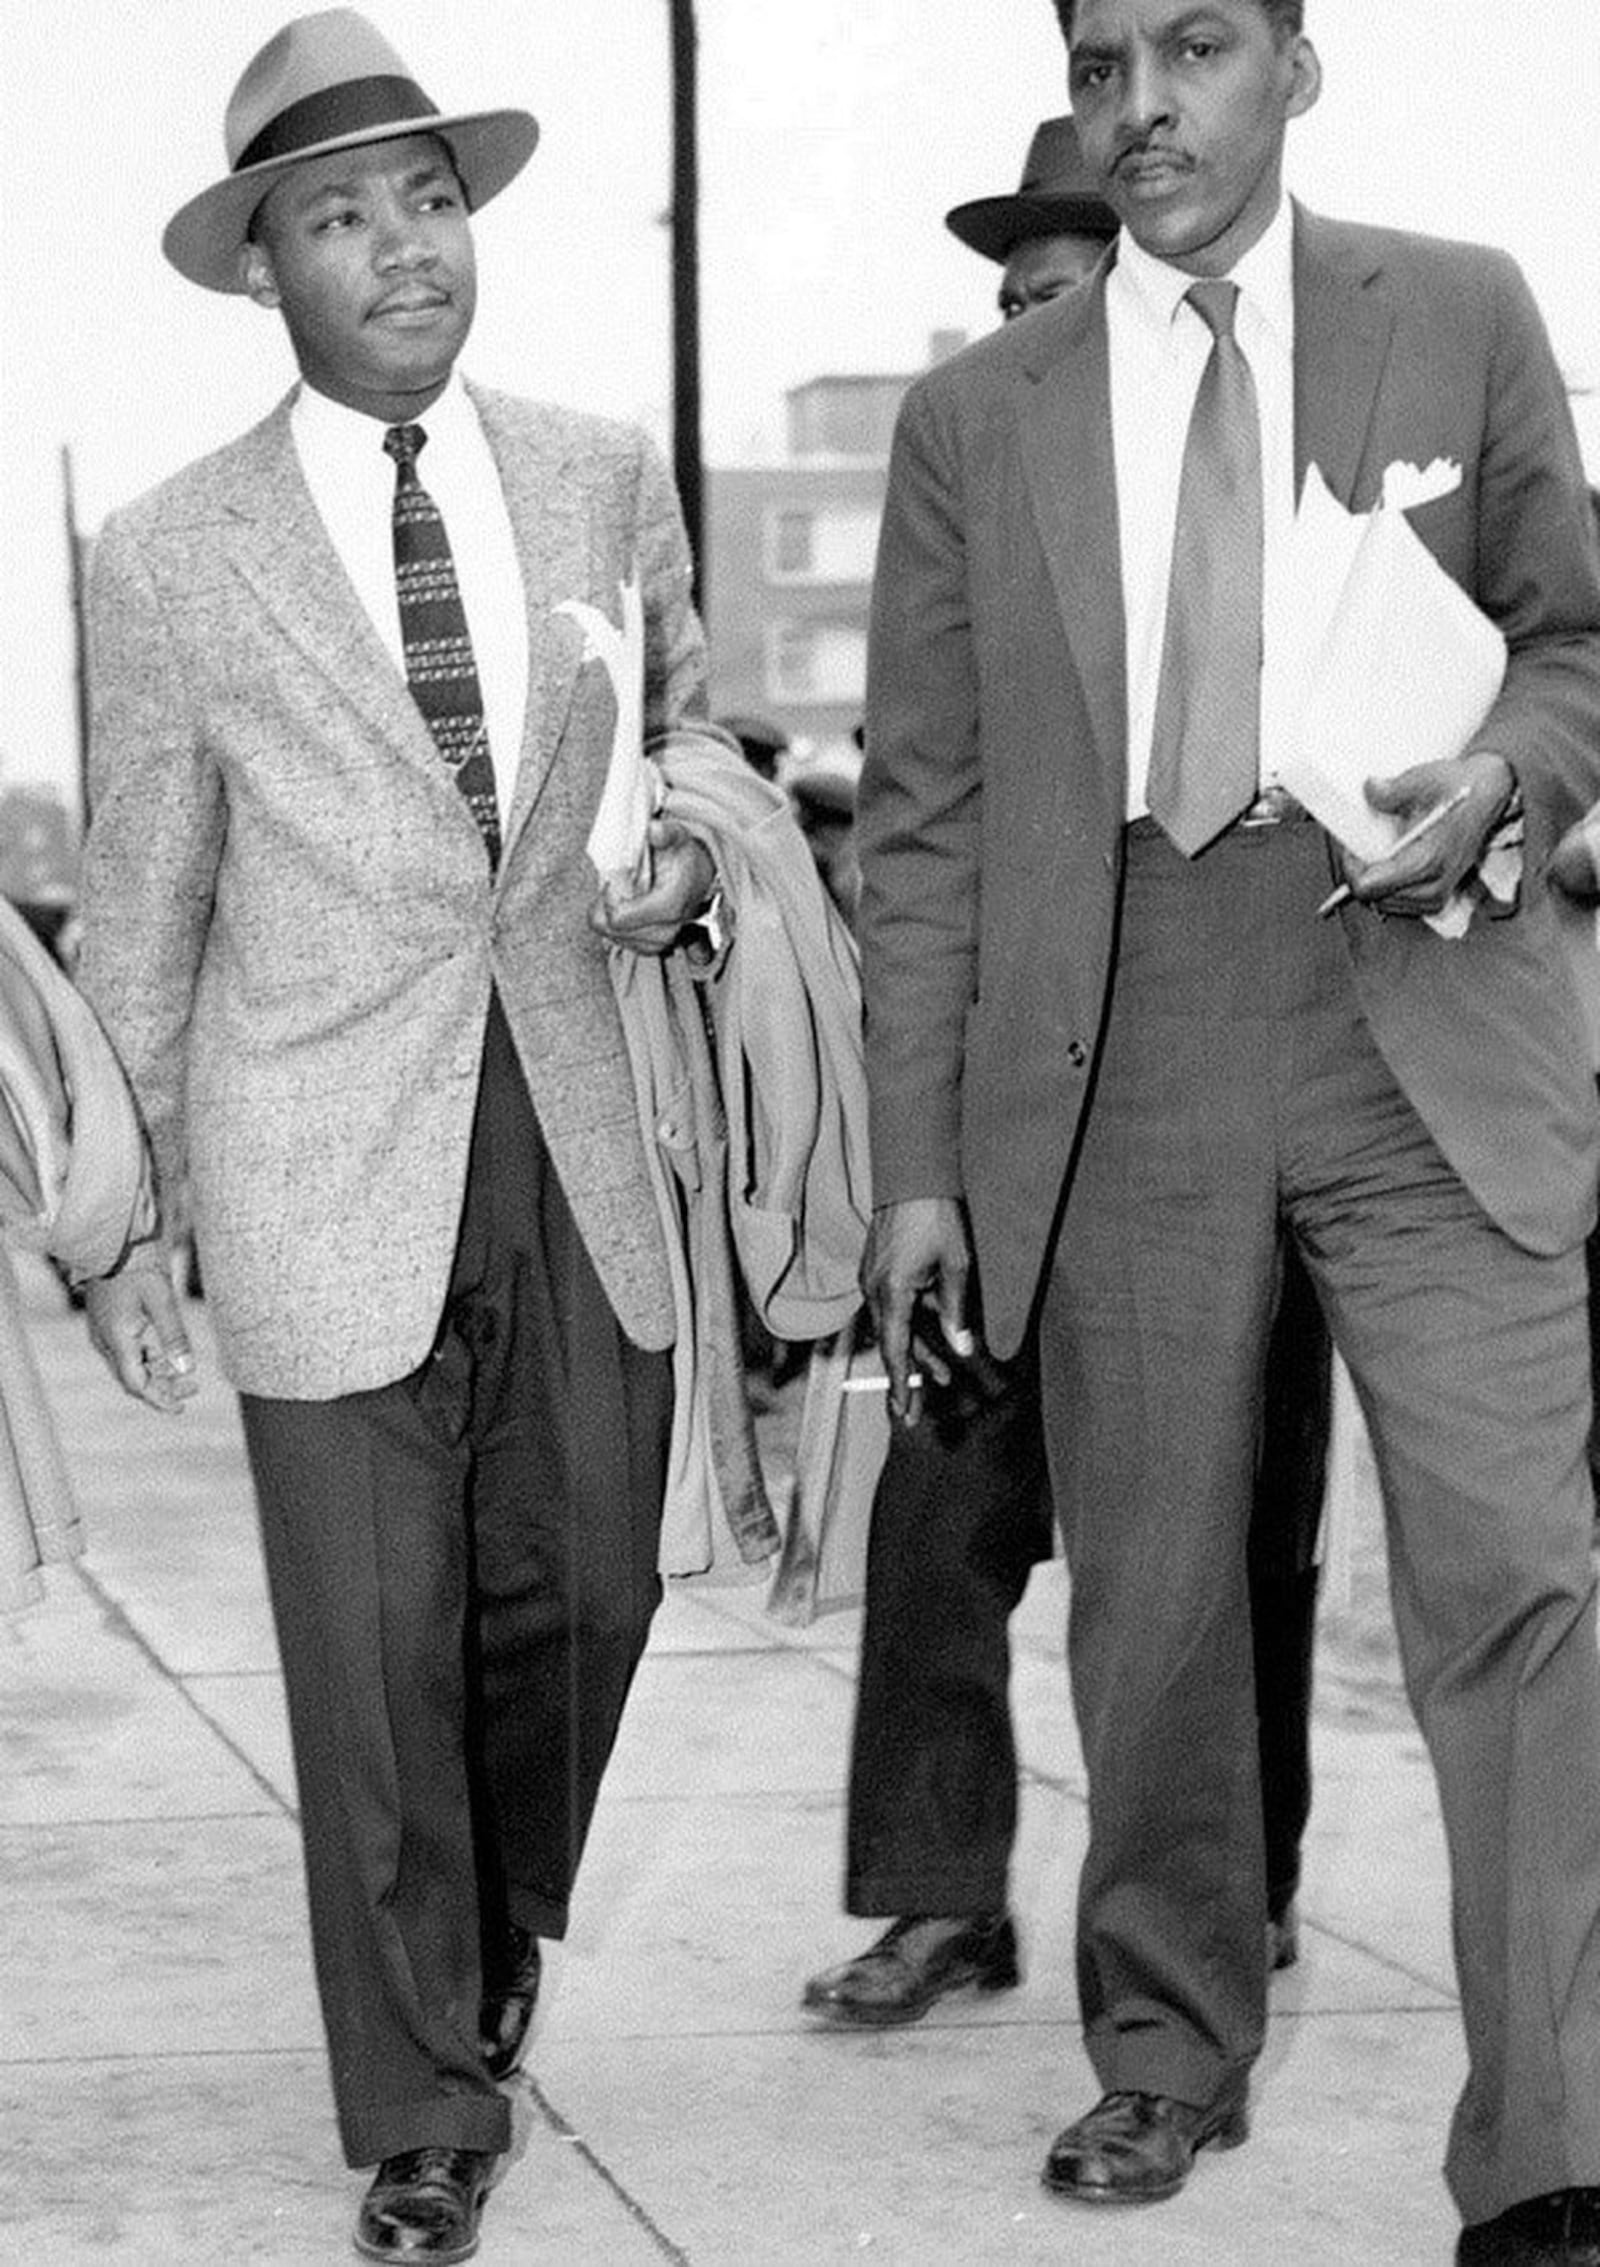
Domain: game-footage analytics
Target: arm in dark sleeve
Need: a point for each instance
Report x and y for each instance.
(1538, 574)
(918, 816)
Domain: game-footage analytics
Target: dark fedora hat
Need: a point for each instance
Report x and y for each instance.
(328, 82)
(1057, 198)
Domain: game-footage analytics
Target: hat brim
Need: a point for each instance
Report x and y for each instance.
(995, 226)
(204, 238)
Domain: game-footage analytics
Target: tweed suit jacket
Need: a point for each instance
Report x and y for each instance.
(992, 805)
(291, 929)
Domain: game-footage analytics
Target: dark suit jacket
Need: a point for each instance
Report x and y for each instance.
(993, 799)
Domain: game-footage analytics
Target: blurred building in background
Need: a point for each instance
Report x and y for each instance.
(790, 549)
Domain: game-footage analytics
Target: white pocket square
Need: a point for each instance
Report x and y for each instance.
(1407, 485)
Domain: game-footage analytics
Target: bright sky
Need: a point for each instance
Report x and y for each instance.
(835, 135)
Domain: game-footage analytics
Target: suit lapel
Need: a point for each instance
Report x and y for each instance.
(550, 529)
(1071, 475)
(1343, 328)
(276, 538)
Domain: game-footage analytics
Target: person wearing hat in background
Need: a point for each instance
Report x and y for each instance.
(347, 749)
(1051, 233)
(761, 742)
(963, 1511)
(822, 794)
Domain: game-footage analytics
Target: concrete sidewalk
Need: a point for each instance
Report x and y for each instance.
(162, 2088)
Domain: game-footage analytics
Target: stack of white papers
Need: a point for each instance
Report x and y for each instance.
(1396, 665)
(618, 844)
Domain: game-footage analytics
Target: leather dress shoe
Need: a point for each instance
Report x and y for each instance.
(1283, 1940)
(1138, 2148)
(510, 1994)
(1558, 2230)
(425, 2205)
(915, 1962)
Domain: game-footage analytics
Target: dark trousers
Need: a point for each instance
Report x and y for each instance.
(961, 1515)
(1240, 1097)
(463, 1571)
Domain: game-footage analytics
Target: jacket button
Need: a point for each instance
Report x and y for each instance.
(1077, 1054)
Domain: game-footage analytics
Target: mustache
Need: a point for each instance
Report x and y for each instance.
(1134, 147)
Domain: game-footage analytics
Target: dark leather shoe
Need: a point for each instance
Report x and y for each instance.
(510, 1994)
(1559, 2230)
(425, 2205)
(1283, 1940)
(914, 1963)
(1138, 2148)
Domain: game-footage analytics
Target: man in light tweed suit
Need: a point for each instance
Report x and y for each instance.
(350, 961)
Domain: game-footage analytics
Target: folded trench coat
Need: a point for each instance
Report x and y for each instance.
(752, 1101)
(74, 1185)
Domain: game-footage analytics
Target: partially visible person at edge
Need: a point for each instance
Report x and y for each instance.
(346, 755)
(75, 1188)
(1575, 869)
(822, 794)
(963, 1511)
(1115, 1056)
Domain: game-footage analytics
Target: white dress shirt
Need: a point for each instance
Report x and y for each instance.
(1159, 347)
(352, 485)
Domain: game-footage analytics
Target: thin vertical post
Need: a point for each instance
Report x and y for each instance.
(687, 465)
(80, 645)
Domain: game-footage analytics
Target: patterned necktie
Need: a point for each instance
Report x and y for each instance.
(1205, 747)
(440, 669)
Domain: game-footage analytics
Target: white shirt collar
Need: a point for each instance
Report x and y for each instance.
(1265, 276)
(330, 427)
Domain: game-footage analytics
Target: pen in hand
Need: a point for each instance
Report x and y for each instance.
(1424, 825)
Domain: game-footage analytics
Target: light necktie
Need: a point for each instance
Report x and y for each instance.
(1205, 747)
(440, 668)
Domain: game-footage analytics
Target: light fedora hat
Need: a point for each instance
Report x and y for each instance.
(328, 82)
(1058, 197)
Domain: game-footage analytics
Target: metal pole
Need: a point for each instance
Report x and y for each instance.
(80, 651)
(686, 459)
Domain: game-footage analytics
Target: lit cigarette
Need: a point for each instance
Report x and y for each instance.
(1424, 825)
(876, 1385)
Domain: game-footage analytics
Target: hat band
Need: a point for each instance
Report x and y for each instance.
(335, 113)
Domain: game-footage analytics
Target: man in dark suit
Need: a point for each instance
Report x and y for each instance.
(962, 1512)
(341, 924)
(1114, 1055)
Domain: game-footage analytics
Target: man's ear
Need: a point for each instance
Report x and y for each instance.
(1305, 82)
(255, 273)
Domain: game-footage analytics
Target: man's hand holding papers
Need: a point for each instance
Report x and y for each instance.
(1428, 865)
(1397, 671)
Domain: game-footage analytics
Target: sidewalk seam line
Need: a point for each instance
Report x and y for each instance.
(120, 1623)
(636, 2212)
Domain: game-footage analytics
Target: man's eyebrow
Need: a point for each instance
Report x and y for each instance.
(1094, 51)
(1201, 18)
(325, 189)
(431, 169)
